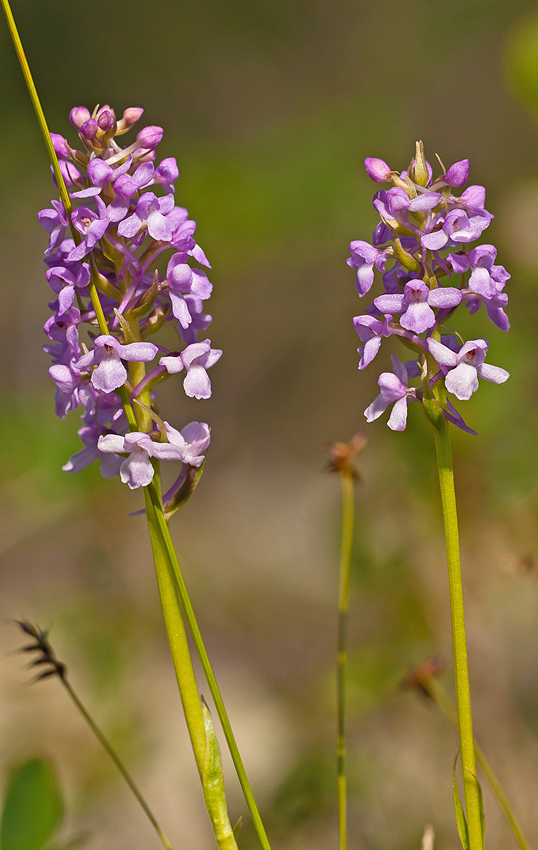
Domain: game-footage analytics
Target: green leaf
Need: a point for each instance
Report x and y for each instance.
(33, 807)
(237, 827)
(458, 809)
(482, 816)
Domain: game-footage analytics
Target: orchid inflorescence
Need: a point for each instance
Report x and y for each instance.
(124, 218)
(427, 233)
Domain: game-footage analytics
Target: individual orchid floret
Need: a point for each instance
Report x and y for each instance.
(91, 226)
(363, 258)
(487, 279)
(63, 332)
(191, 441)
(465, 367)
(152, 213)
(416, 304)
(110, 373)
(137, 470)
(65, 283)
(371, 331)
(394, 390)
(55, 222)
(195, 358)
(71, 388)
(166, 173)
(109, 465)
(183, 280)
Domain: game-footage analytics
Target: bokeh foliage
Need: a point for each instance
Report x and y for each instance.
(270, 108)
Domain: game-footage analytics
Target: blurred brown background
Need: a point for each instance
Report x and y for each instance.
(270, 109)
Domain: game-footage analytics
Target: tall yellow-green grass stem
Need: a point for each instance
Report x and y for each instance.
(168, 546)
(348, 513)
(459, 643)
(443, 701)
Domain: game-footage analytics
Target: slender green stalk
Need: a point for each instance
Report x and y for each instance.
(165, 541)
(177, 637)
(64, 194)
(441, 699)
(165, 555)
(465, 722)
(348, 512)
(66, 200)
(117, 761)
(203, 740)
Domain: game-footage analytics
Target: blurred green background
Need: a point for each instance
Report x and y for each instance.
(270, 109)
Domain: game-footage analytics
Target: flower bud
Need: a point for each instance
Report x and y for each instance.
(150, 137)
(377, 169)
(89, 129)
(458, 173)
(130, 117)
(106, 121)
(78, 115)
(420, 168)
(60, 146)
(132, 114)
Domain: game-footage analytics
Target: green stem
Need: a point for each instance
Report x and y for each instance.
(443, 701)
(465, 722)
(204, 743)
(160, 535)
(117, 761)
(348, 512)
(38, 110)
(42, 121)
(166, 542)
(177, 637)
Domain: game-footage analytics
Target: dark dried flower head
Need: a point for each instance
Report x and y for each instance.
(419, 676)
(341, 455)
(46, 655)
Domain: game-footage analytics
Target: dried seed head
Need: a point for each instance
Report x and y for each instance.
(340, 455)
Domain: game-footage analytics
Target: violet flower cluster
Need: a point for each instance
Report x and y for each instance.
(124, 218)
(425, 247)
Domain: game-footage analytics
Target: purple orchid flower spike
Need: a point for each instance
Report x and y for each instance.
(125, 217)
(394, 390)
(466, 366)
(110, 373)
(426, 247)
